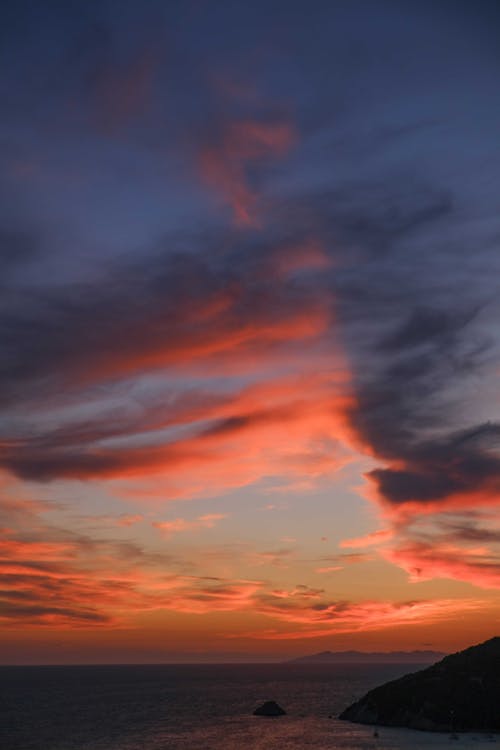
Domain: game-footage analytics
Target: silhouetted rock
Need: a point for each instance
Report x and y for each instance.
(459, 693)
(269, 708)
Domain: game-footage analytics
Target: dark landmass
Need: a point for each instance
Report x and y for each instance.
(269, 708)
(459, 693)
(367, 657)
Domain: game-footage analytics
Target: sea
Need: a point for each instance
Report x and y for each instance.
(196, 707)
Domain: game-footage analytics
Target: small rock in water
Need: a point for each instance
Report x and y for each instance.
(269, 708)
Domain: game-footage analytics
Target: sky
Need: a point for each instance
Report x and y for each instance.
(249, 328)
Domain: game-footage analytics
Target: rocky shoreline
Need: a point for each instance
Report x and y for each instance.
(460, 693)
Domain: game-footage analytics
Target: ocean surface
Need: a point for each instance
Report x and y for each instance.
(194, 707)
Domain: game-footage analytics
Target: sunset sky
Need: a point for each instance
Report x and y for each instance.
(249, 328)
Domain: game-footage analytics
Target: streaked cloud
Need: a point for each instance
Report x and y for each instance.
(368, 540)
(176, 525)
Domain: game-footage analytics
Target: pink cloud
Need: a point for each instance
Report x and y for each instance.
(368, 540)
(207, 521)
(425, 561)
(351, 617)
(125, 520)
(290, 428)
(225, 162)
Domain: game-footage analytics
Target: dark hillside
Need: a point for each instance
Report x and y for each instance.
(461, 692)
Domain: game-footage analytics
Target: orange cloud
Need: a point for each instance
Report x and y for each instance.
(374, 538)
(213, 338)
(276, 558)
(102, 520)
(426, 561)
(206, 521)
(452, 542)
(16, 550)
(325, 618)
(68, 581)
(199, 596)
(287, 427)
(129, 519)
(433, 511)
(79, 582)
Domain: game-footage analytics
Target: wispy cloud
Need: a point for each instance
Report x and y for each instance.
(368, 540)
(176, 525)
(237, 147)
(426, 561)
(330, 617)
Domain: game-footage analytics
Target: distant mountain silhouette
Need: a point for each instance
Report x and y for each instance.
(367, 657)
(459, 693)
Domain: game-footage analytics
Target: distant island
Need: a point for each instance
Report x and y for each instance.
(369, 657)
(459, 693)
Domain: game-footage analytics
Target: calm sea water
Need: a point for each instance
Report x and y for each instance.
(188, 707)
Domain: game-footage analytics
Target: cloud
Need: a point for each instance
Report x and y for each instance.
(426, 561)
(175, 309)
(446, 471)
(425, 326)
(451, 477)
(361, 276)
(75, 581)
(207, 521)
(125, 520)
(223, 274)
(199, 597)
(279, 558)
(57, 578)
(268, 304)
(237, 147)
(188, 440)
(417, 329)
(325, 617)
(454, 543)
(276, 427)
(280, 305)
(40, 586)
(330, 569)
(54, 578)
(347, 558)
(368, 540)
